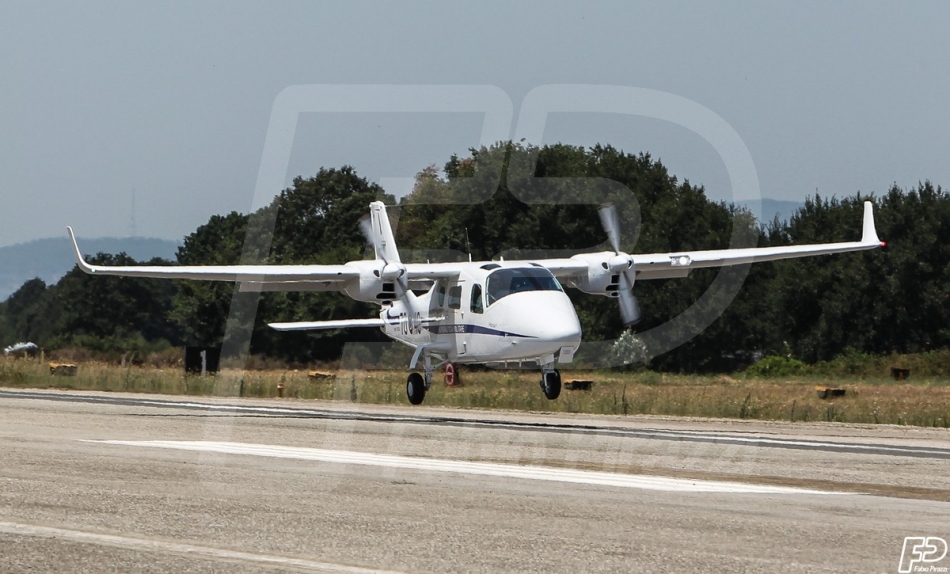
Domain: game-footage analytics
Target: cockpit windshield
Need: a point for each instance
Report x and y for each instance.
(504, 282)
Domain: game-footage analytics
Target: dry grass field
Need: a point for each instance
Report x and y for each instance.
(921, 401)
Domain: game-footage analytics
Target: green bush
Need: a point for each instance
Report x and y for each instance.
(773, 366)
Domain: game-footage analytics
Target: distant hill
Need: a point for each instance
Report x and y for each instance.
(766, 209)
(50, 259)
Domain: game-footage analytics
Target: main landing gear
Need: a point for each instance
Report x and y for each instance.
(416, 385)
(551, 383)
(416, 388)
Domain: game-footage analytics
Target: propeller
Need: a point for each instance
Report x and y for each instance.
(393, 269)
(621, 263)
(366, 227)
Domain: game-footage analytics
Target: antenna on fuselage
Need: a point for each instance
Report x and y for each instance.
(468, 246)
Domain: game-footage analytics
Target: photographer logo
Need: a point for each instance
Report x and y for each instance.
(921, 553)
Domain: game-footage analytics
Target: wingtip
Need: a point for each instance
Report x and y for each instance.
(85, 267)
(869, 234)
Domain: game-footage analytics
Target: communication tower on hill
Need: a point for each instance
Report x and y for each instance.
(133, 228)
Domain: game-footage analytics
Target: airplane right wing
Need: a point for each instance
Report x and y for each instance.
(245, 273)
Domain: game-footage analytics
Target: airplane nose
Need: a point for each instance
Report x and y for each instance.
(560, 328)
(545, 320)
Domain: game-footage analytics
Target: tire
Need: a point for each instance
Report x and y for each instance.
(415, 388)
(551, 384)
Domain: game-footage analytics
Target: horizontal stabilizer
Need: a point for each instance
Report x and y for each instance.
(316, 325)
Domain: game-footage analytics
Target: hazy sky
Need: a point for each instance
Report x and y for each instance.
(173, 99)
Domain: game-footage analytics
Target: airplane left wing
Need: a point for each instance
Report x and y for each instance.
(670, 265)
(245, 273)
(679, 264)
(564, 267)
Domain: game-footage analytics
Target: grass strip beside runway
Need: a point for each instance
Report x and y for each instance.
(923, 402)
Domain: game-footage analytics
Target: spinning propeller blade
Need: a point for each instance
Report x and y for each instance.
(366, 227)
(378, 232)
(629, 306)
(611, 223)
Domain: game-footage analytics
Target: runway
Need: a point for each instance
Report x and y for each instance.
(109, 481)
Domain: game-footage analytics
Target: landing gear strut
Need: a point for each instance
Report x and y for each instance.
(551, 383)
(416, 386)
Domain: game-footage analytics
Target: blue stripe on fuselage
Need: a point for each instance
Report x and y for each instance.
(468, 328)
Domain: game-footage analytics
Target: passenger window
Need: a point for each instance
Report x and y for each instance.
(455, 297)
(441, 296)
(477, 299)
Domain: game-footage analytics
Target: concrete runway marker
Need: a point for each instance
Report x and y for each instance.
(644, 482)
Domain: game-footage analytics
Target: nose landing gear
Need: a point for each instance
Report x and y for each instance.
(551, 383)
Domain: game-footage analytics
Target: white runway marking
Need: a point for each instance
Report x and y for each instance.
(465, 467)
(190, 550)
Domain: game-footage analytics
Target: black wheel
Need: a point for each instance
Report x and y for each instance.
(551, 384)
(415, 388)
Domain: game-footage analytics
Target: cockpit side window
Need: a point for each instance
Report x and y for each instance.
(455, 297)
(441, 296)
(504, 282)
(477, 299)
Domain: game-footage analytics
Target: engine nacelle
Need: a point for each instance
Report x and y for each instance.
(377, 282)
(603, 273)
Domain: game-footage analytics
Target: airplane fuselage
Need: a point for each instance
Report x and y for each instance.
(495, 312)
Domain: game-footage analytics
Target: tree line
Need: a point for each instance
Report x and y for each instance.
(512, 201)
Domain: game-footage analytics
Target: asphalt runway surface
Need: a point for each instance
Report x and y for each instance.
(93, 482)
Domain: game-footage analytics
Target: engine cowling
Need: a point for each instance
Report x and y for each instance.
(603, 273)
(378, 281)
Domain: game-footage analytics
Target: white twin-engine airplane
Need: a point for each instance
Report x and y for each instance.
(484, 311)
